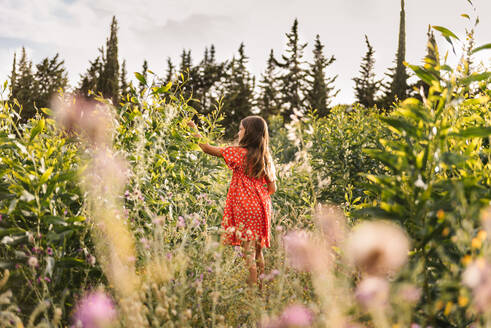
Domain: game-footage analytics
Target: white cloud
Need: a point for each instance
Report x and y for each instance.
(154, 30)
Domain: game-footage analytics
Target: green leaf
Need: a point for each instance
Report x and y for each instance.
(423, 74)
(477, 132)
(140, 78)
(47, 111)
(46, 175)
(465, 16)
(445, 32)
(37, 129)
(476, 77)
(483, 47)
(71, 262)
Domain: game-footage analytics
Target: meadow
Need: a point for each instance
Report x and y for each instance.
(110, 215)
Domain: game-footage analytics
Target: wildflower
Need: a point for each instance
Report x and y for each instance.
(32, 261)
(47, 279)
(91, 259)
(180, 222)
(79, 115)
(296, 316)
(372, 292)
(486, 219)
(293, 316)
(302, 253)
(49, 251)
(158, 220)
(419, 183)
(145, 243)
(30, 237)
(94, 310)
(477, 276)
(410, 293)
(270, 276)
(332, 223)
(7, 240)
(377, 247)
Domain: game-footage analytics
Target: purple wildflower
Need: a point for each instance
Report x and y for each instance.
(94, 310)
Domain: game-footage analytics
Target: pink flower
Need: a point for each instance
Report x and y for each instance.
(180, 222)
(372, 292)
(332, 223)
(94, 310)
(410, 293)
(377, 247)
(298, 250)
(293, 316)
(478, 277)
(296, 316)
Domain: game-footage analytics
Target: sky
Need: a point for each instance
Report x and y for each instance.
(155, 30)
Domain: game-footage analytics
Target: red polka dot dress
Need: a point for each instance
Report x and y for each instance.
(247, 214)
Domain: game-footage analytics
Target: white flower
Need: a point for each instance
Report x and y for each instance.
(7, 240)
(420, 183)
(32, 261)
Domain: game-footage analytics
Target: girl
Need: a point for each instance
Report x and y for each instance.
(247, 215)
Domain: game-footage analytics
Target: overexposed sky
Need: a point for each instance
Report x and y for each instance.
(155, 30)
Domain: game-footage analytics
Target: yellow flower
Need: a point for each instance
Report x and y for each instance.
(448, 308)
(440, 214)
(466, 260)
(482, 235)
(476, 243)
(445, 232)
(463, 301)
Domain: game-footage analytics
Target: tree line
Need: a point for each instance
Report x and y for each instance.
(289, 84)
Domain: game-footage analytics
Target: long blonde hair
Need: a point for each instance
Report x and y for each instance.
(256, 140)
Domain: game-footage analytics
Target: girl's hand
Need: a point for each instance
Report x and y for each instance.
(192, 125)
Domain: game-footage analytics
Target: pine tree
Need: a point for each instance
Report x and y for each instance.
(293, 79)
(123, 84)
(366, 86)
(90, 80)
(185, 73)
(24, 89)
(268, 100)
(319, 89)
(144, 73)
(108, 83)
(13, 77)
(208, 76)
(170, 70)
(398, 87)
(238, 97)
(50, 76)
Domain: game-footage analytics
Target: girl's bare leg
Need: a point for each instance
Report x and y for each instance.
(259, 262)
(250, 262)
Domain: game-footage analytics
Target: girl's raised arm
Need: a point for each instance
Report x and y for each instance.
(212, 150)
